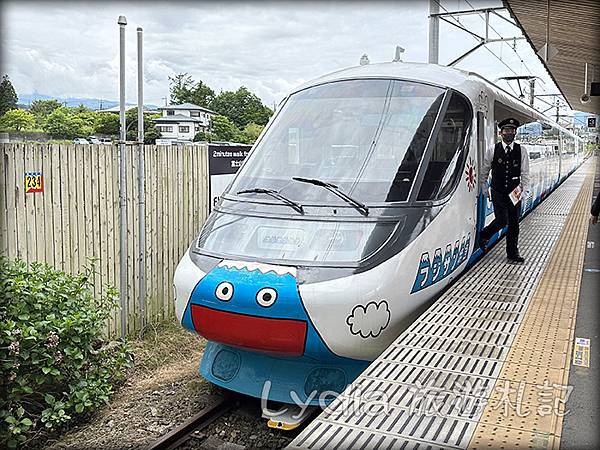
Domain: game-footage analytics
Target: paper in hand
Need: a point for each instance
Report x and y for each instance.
(515, 195)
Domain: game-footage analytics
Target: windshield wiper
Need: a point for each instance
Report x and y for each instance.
(361, 207)
(297, 206)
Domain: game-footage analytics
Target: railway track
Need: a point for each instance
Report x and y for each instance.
(216, 407)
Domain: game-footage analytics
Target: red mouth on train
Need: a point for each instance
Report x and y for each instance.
(284, 337)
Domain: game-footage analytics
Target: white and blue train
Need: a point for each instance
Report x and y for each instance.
(357, 205)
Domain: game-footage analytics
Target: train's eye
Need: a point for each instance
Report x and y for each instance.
(266, 297)
(224, 291)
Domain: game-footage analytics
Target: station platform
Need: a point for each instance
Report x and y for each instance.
(488, 364)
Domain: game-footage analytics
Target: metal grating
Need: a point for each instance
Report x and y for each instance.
(537, 366)
(430, 387)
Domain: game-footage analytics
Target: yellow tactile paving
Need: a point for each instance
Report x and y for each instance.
(514, 393)
(491, 436)
(526, 407)
(530, 374)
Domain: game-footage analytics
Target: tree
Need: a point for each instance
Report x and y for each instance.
(41, 109)
(251, 132)
(62, 123)
(151, 133)
(184, 89)
(224, 129)
(82, 108)
(8, 96)
(242, 107)
(17, 120)
(203, 136)
(107, 124)
(82, 123)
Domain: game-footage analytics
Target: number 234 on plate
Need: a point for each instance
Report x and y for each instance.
(34, 182)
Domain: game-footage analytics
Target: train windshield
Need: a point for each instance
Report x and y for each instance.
(306, 241)
(365, 136)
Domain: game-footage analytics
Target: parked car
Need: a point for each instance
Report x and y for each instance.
(107, 141)
(94, 140)
(80, 141)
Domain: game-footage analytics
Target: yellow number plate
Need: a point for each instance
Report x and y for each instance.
(34, 182)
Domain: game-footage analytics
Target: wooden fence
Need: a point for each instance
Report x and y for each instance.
(76, 217)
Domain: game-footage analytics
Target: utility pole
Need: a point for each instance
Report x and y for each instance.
(434, 32)
(122, 180)
(141, 176)
(531, 91)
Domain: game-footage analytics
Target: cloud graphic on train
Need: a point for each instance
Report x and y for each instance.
(369, 321)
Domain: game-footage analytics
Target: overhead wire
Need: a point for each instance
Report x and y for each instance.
(506, 42)
(493, 54)
(500, 36)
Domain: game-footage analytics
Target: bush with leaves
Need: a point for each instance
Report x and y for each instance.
(17, 120)
(55, 362)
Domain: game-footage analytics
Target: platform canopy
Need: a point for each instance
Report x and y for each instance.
(573, 31)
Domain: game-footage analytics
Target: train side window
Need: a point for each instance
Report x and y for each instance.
(449, 150)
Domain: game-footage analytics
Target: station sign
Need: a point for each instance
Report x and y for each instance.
(581, 352)
(591, 122)
(224, 160)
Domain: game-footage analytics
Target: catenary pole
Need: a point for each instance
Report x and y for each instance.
(434, 32)
(141, 178)
(122, 180)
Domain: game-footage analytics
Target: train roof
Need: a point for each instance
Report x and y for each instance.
(468, 83)
(430, 73)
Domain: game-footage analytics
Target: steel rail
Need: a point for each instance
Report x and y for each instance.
(216, 407)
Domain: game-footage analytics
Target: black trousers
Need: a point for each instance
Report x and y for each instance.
(505, 213)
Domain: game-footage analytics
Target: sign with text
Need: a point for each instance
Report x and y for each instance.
(34, 182)
(581, 352)
(223, 163)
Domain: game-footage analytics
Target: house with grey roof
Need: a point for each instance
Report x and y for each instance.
(116, 109)
(182, 122)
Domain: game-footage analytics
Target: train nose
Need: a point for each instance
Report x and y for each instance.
(284, 337)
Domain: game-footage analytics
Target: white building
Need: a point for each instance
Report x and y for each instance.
(182, 122)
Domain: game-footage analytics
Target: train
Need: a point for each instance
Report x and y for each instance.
(358, 204)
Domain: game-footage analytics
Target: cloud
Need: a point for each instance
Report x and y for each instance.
(270, 47)
(369, 321)
(72, 48)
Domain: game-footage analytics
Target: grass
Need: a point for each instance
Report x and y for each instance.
(165, 343)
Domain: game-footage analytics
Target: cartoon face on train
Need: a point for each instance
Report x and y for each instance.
(255, 307)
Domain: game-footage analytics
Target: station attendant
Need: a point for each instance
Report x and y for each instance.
(509, 163)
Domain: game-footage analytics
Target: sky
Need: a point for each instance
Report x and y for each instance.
(71, 49)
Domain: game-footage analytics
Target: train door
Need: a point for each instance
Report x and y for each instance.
(483, 208)
(561, 157)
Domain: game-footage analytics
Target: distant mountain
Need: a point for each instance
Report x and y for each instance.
(91, 103)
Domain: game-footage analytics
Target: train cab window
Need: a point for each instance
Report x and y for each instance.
(449, 150)
(404, 176)
(366, 136)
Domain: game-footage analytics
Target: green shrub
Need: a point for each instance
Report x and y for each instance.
(55, 362)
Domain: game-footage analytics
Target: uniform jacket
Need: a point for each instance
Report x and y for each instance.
(508, 171)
